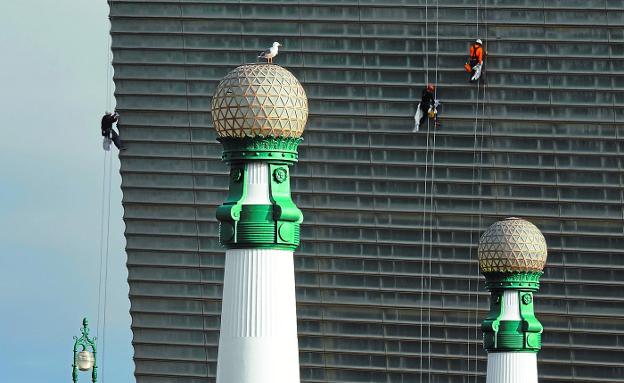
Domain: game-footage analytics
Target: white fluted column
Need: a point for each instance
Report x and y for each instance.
(512, 367)
(257, 184)
(258, 342)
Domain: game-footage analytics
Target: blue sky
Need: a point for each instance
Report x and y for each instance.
(53, 87)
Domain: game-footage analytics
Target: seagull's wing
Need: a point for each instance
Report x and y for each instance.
(266, 52)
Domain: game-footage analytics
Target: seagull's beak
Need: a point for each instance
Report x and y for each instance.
(279, 45)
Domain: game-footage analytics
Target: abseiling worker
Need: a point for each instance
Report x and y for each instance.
(428, 107)
(109, 133)
(474, 66)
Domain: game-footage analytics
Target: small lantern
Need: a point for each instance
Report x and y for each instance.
(85, 360)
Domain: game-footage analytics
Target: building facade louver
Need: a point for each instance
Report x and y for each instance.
(388, 286)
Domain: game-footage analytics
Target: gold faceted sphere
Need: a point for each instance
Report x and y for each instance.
(512, 245)
(259, 100)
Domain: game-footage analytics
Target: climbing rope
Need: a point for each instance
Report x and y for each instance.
(106, 262)
(431, 220)
(474, 271)
(314, 222)
(422, 260)
(193, 187)
(474, 243)
(424, 209)
(102, 224)
(427, 276)
(427, 41)
(480, 188)
(479, 225)
(432, 190)
(429, 140)
(374, 197)
(472, 232)
(105, 211)
(240, 25)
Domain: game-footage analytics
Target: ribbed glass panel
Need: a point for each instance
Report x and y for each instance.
(387, 281)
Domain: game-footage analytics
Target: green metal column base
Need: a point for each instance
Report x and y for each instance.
(524, 335)
(274, 226)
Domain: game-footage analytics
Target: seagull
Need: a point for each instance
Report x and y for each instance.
(270, 53)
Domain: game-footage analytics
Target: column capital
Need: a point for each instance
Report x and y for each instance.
(264, 148)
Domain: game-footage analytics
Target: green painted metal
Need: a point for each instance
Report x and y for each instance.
(528, 281)
(269, 148)
(524, 335)
(274, 226)
(84, 341)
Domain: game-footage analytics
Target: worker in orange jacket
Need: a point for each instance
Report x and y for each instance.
(474, 66)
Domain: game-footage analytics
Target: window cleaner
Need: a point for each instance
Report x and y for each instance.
(428, 107)
(474, 66)
(109, 133)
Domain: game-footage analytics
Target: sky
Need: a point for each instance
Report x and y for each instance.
(54, 79)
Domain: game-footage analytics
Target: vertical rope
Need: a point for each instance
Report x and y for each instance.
(437, 55)
(479, 226)
(193, 188)
(110, 166)
(422, 259)
(480, 189)
(241, 27)
(374, 197)
(617, 138)
(314, 225)
(431, 220)
(102, 224)
(109, 55)
(427, 41)
(472, 231)
(104, 246)
(370, 164)
(432, 206)
(423, 280)
(301, 52)
(477, 18)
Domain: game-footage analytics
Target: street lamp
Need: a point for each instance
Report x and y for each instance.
(84, 360)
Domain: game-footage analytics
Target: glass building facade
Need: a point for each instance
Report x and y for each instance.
(388, 286)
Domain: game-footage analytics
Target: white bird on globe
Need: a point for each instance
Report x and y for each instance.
(270, 52)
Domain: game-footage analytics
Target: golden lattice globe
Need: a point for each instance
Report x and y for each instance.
(259, 100)
(512, 245)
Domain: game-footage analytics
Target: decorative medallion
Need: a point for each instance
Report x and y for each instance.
(526, 299)
(280, 175)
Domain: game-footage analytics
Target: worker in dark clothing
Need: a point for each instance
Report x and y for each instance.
(427, 108)
(474, 66)
(108, 132)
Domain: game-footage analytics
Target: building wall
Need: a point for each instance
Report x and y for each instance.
(387, 278)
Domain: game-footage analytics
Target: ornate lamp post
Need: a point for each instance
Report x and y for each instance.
(259, 112)
(84, 360)
(512, 255)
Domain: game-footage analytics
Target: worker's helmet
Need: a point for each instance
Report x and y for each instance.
(430, 87)
(479, 42)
